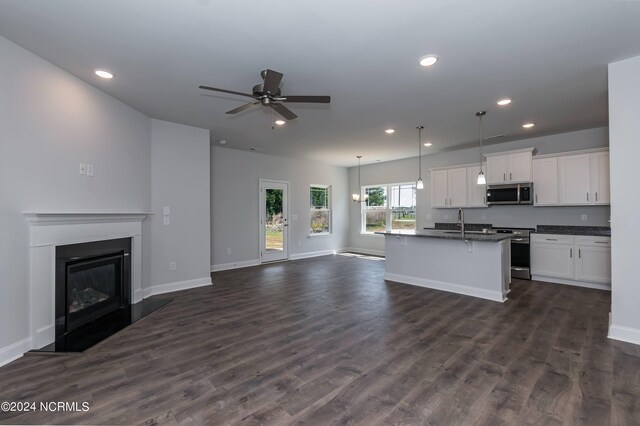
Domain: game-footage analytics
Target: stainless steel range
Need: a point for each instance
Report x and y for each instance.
(520, 251)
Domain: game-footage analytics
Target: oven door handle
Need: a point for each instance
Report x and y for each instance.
(520, 240)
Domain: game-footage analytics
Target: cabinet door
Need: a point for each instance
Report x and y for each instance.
(476, 194)
(574, 179)
(552, 260)
(497, 169)
(519, 167)
(439, 188)
(545, 181)
(458, 187)
(593, 264)
(600, 178)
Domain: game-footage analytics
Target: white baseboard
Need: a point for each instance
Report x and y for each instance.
(365, 251)
(563, 281)
(313, 254)
(495, 296)
(625, 334)
(14, 351)
(234, 265)
(177, 286)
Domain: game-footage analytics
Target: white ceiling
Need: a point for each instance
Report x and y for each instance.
(550, 57)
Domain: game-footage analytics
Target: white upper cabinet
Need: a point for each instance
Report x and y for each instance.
(476, 194)
(457, 187)
(545, 181)
(599, 162)
(510, 167)
(574, 179)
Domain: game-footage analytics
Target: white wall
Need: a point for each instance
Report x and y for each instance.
(624, 131)
(179, 180)
(49, 123)
(520, 216)
(235, 204)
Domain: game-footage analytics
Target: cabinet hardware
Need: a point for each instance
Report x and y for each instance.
(579, 254)
(587, 196)
(551, 239)
(596, 195)
(504, 177)
(601, 242)
(536, 198)
(570, 252)
(510, 177)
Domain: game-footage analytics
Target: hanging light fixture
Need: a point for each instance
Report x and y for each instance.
(419, 183)
(356, 197)
(481, 178)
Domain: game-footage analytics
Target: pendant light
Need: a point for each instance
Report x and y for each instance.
(356, 197)
(481, 178)
(419, 183)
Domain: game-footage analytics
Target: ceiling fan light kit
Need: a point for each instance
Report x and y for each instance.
(268, 94)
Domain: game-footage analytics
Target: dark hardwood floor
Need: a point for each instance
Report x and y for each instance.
(328, 341)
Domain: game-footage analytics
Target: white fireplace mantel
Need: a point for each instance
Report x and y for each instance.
(51, 229)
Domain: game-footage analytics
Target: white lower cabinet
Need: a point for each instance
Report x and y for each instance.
(568, 259)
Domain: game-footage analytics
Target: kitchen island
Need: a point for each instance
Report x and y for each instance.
(474, 263)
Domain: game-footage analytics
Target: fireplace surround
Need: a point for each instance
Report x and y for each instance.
(48, 232)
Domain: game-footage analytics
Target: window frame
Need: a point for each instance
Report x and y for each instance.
(328, 209)
(387, 205)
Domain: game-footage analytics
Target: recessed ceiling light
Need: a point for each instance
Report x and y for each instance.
(104, 74)
(390, 131)
(503, 102)
(528, 125)
(280, 122)
(428, 144)
(428, 60)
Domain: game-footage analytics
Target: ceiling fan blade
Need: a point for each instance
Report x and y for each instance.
(284, 111)
(272, 81)
(242, 108)
(309, 99)
(226, 91)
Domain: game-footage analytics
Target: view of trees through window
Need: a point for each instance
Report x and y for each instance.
(320, 210)
(389, 207)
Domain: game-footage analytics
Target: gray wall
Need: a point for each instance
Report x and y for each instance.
(235, 200)
(49, 123)
(624, 113)
(180, 181)
(521, 216)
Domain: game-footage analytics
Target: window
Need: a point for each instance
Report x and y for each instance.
(389, 207)
(320, 199)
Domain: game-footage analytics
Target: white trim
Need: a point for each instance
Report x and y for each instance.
(365, 251)
(456, 166)
(563, 281)
(177, 286)
(235, 265)
(564, 154)
(625, 334)
(495, 296)
(312, 254)
(46, 218)
(513, 151)
(14, 351)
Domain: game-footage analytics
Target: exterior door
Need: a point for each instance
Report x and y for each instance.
(274, 226)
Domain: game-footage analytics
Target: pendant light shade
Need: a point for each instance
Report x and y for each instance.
(481, 178)
(419, 183)
(356, 196)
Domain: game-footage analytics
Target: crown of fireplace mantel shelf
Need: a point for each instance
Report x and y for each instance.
(65, 218)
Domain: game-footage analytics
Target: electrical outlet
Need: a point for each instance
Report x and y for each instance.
(228, 250)
(83, 169)
(167, 220)
(173, 266)
(90, 170)
(584, 217)
(483, 216)
(166, 210)
(428, 217)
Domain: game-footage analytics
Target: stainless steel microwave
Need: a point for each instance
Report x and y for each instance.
(515, 193)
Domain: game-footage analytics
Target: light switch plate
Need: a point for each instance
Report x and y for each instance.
(83, 169)
(166, 210)
(89, 169)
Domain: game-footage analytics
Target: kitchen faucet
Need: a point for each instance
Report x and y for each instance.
(461, 219)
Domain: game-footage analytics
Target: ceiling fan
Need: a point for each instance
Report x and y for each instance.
(268, 94)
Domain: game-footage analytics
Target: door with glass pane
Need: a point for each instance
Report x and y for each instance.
(274, 224)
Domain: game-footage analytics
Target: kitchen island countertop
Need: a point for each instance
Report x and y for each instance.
(450, 235)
